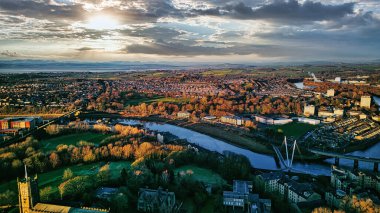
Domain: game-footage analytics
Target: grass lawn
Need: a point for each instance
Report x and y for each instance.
(72, 139)
(201, 174)
(116, 167)
(294, 129)
(54, 178)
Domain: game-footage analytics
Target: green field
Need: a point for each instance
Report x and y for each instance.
(294, 129)
(201, 174)
(221, 72)
(72, 139)
(54, 178)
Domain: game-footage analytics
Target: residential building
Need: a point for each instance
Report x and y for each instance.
(347, 182)
(5, 123)
(365, 101)
(234, 120)
(267, 182)
(325, 113)
(150, 200)
(335, 198)
(183, 114)
(363, 116)
(338, 112)
(18, 123)
(376, 118)
(330, 93)
(296, 192)
(309, 110)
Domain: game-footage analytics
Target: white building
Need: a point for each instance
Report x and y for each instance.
(309, 121)
(309, 110)
(330, 93)
(183, 114)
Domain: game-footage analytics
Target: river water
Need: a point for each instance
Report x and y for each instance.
(257, 160)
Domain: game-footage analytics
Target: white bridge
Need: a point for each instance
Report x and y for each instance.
(288, 162)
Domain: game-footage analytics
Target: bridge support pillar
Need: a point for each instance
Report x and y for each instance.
(336, 161)
(375, 167)
(356, 164)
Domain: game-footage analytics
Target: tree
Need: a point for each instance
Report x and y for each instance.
(16, 164)
(76, 186)
(46, 193)
(54, 160)
(8, 197)
(119, 203)
(104, 174)
(67, 174)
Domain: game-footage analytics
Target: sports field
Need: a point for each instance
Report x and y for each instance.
(294, 129)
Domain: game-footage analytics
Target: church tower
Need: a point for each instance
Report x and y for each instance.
(28, 193)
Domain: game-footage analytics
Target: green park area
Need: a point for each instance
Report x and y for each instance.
(54, 178)
(201, 174)
(72, 139)
(294, 129)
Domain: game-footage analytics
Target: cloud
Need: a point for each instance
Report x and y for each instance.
(179, 49)
(84, 49)
(8, 53)
(42, 9)
(282, 11)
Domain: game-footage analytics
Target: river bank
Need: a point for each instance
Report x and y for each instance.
(229, 136)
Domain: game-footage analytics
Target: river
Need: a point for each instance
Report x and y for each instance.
(257, 160)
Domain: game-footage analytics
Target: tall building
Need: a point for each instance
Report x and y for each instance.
(29, 199)
(309, 110)
(365, 102)
(28, 193)
(330, 93)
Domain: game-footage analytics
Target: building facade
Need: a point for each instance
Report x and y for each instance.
(365, 101)
(330, 93)
(309, 110)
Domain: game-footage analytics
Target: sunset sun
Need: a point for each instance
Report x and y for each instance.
(102, 22)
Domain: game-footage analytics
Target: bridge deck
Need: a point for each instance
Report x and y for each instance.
(351, 157)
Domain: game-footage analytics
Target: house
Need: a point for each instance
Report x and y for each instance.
(183, 114)
(330, 93)
(309, 110)
(296, 192)
(338, 112)
(150, 200)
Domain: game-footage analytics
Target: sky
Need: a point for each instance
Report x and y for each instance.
(233, 31)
